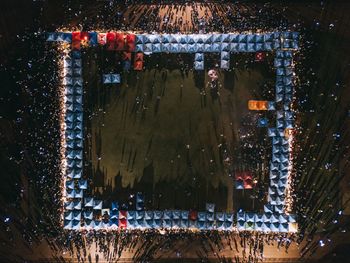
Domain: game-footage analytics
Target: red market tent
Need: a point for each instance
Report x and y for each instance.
(130, 42)
(193, 215)
(76, 40)
(123, 223)
(111, 41)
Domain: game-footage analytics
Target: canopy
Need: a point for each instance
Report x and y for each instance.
(201, 216)
(176, 214)
(139, 215)
(210, 207)
(157, 214)
(210, 216)
(184, 215)
(220, 217)
(88, 214)
(229, 217)
(97, 205)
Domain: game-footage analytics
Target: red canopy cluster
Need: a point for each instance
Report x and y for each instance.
(193, 215)
(117, 41)
(259, 56)
(123, 222)
(138, 61)
(245, 178)
(78, 37)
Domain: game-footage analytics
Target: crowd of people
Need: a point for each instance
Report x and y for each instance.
(32, 217)
(148, 245)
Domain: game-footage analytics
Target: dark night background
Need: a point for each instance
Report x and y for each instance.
(323, 102)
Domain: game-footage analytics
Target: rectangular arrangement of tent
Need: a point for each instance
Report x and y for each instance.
(185, 43)
(84, 212)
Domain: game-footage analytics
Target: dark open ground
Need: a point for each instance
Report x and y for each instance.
(164, 133)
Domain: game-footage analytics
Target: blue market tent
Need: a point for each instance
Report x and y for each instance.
(184, 223)
(93, 39)
(115, 78)
(77, 215)
(157, 223)
(70, 184)
(156, 48)
(239, 184)
(89, 224)
(113, 222)
(176, 214)
(210, 207)
(201, 225)
(167, 223)
(267, 217)
(220, 225)
(193, 224)
(70, 193)
(274, 218)
(258, 218)
(241, 216)
(148, 223)
(199, 65)
(97, 205)
(275, 227)
(271, 132)
(240, 225)
(75, 224)
(68, 215)
(69, 205)
(139, 48)
(97, 224)
(175, 223)
(131, 215)
(209, 225)
(167, 214)
(266, 227)
(228, 225)
(139, 39)
(201, 216)
(174, 48)
(210, 216)
(158, 214)
(88, 214)
(140, 198)
(79, 193)
(114, 214)
(262, 122)
(284, 228)
(77, 205)
(258, 226)
(229, 217)
(140, 224)
(139, 215)
(68, 224)
(148, 215)
(249, 217)
(220, 216)
(224, 64)
(115, 205)
(292, 219)
(279, 209)
(283, 218)
(184, 215)
(132, 223)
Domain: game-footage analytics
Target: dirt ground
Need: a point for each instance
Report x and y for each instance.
(166, 133)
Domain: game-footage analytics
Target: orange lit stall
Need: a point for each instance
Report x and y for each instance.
(258, 105)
